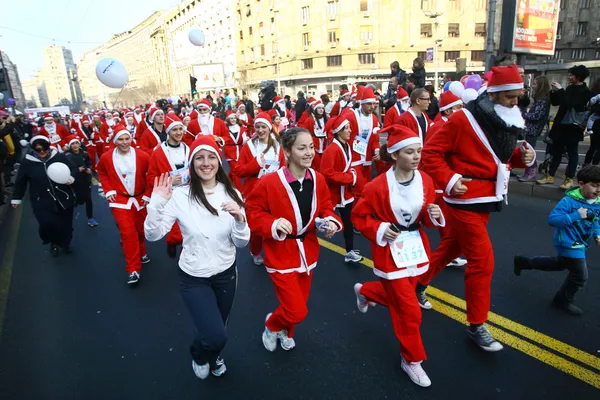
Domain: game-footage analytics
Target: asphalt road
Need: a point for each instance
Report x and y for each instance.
(73, 329)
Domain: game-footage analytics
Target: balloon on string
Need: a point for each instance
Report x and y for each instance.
(23, 142)
(196, 37)
(469, 95)
(11, 102)
(464, 79)
(473, 82)
(59, 173)
(170, 100)
(457, 88)
(1, 96)
(112, 73)
(447, 86)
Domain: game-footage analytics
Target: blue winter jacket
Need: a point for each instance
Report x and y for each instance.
(573, 234)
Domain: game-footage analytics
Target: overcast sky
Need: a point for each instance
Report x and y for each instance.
(67, 21)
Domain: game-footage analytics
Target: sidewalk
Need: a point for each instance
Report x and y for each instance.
(548, 192)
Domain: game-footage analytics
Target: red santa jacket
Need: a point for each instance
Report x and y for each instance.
(372, 137)
(246, 120)
(409, 119)
(460, 148)
(287, 116)
(272, 199)
(319, 135)
(383, 201)
(392, 116)
(113, 182)
(338, 109)
(160, 163)
(234, 143)
(335, 167)
(216, 127)
(59, 138)
(249, 164)
(140, 128)
(149, 140)
(439, 121)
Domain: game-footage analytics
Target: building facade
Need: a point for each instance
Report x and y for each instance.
(58, 77)
(315, 45)
(10, 83)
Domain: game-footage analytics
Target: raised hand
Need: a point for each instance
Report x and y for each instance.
(163, 187)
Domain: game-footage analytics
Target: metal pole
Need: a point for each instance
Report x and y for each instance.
(491, 28)
(435, 50)
(278, 78)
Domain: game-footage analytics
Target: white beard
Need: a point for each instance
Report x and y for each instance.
(110, 122)
(403, 105)
(511, 116)
(50, 128)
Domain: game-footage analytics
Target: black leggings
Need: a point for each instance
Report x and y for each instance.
(345, 213)
(593, 154)
(558, 147)
(575, 280)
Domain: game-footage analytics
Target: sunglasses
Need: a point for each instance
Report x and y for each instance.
(40, 150)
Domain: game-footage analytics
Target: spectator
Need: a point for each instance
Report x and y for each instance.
(300, 105)
(569, 123)
(419, 72)
(448, 77)
(288, 102)
(398, 72)
(524, 100)
(327, 103)
(220, 109)
(248, 104)
(593, 154)
(434, 106)
(536, 119)
(390, 97)
(411, 83)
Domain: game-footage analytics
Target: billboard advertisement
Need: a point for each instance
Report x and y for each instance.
(534, 29)
(210, 76)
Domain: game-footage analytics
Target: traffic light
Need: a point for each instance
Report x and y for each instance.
(193, 85)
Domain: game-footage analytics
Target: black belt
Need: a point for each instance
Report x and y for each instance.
(135, 195)
(293, 237)
(410, 228)
(479, 179)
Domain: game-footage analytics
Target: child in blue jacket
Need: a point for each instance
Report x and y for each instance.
(577, 220)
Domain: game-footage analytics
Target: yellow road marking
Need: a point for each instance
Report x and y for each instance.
(7, 263)
(517, 343)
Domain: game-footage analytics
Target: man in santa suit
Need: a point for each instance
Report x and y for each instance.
(449, 104)
(76, 122)
(138, 116)
(57, 133)
(415, 118)
(171, 156)
(364, 139)
(284, 113)
(244, 119)
(122, 173)
(155, 133)
(470, 159)
(107, 131)
(392, 116)
(86, 134)
(206, 124)
(339, 106)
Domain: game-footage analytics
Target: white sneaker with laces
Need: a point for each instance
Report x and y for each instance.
(269, 337)
(287, 343)
(353, 257)
(201, 371)
(361, 301)
(416, 373)
(221, 367)
(258, 260)
(457, 262)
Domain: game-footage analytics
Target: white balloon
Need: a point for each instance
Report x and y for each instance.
(59, 172)
(111, 73)
(1, 96)
(482, 89)
(23, 142)
(457, 88)
(196, 37)
(469, 95)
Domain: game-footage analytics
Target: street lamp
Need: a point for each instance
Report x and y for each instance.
(434, 16)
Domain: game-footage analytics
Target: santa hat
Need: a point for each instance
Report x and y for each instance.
(152, 112)
(336, 124)
(229, 114)
(487, 76)
(39, 137)
(194, 114)
(240, 103)
(171, 121)
(120, 133)
(317, 103)
(401, 94)
(264, 118)
(345, 92)
(278, 99)
(205, 103)
(366, 95)
(311, 101)
(399, 137)
(354, 93)
(48, 116)
(449, 100)
(204, 142)
(148, 106)
(73, 139)
(505, 79)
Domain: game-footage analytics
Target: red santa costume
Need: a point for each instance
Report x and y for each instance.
(284, 113)
(206, 124)
(364, 138)
(244, 119)
(392, 116)
(124, 177)
(138, 115)
(409, 119)
(234, 141)
(289, 259)
(341, 105)
(387, 203)
(252, 167)
(107, 131)
(462, 149)
(151, 137)
(447, 101)
(56, 133)
(315, 124)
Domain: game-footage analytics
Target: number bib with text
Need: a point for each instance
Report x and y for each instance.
(360, 146)
(408, 250)
(184, 173)
(270, 166)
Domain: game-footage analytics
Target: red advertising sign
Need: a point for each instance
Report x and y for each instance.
(535, 26)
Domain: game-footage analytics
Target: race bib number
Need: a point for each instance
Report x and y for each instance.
(285, 121)
(55, 139)
(360, 146)
(270, 167)
(184, 173)
(320, 133)
(502, 179)
(408, 250)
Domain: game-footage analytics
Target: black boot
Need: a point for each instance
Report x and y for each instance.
(561, 302)
(520, 263)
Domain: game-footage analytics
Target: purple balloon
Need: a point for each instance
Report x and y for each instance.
(473, 82)
(11, 102)
(170, 100)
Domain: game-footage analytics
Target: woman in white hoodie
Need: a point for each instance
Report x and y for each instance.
(213, 223)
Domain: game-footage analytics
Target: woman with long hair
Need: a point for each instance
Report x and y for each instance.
(234, 141)
(262, 155)
(285, 209)
(390, 213)
(276, 121)
(419, 72)
(213, 224)
(536, 119)
(315, 124)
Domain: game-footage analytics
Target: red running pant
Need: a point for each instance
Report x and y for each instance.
(292, 291)
(131, 227)
(466, 233)
(363, 176)
(91, 150)
(398, 296)
(174, 237)
(255, 244)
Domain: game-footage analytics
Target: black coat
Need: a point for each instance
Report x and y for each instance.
(43, 193)
(300, 107)
(574, 97)
(83, 180)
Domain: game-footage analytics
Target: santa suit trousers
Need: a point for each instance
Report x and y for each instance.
(255, 244)
(237, 181)
(174, 237)
(292, 290)
(91, 150)
(466, 233)
(131, 227)
(398, 295)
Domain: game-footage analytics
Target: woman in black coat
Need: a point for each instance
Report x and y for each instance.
(52, 203)
(83, 179)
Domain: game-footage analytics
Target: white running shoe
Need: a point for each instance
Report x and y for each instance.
(201, 371)
(287, 343)
(361, 301)
(258, 260)
(269, 337)
(457, 262)
(221, 367)
(353, 257)
(416, 373)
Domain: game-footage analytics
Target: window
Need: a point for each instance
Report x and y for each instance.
(275, 69)
(275, 47)
(366, 58)
(426, 5)
(478, 55)
(480, 30)
(563, 4)
(558, 54)
(332, 9)
(332, 37)
(453, 30)
(584, 3)
(239, 16)
(305, 15)
(422, 55)
(559, 29)
(272, 26)
(454, 4)
(582, 29)
(250, 32)
(306, 40)
(248, 11)
(597, 56)
(366, 34)
(481, 4)
(260, 29)
(262, 49)
(307, 63)
(425, 30)
(578, 54)
(451, 56)
(334, 61)
(365, 6)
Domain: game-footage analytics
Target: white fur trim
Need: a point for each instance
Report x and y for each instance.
(38, 137)
(342, 125)
(111, 193)
(173, 125)
(380, 231)
(372, 100)
(264, 121)
(73, 141)
(336, 222)
(146, 198)
(205, 147)
(276, 235)
(442, 221)
(447, 106)
(504, 88)
(401, 273)
(451, 184)
(119, 134)
(16, 202)
(404, 143)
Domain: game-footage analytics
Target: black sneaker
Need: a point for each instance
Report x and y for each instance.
(520, 263)
(483, 338)
(567, 306)
(423, 302)
(145, 259)
(134, 277)
(54, 250)
(171, 250)
(221, 367)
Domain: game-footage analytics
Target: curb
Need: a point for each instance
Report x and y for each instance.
(532, 189)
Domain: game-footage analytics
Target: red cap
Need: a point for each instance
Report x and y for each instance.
(205, 103)
(449, 100)
(401, 94)
(205, 142)
(399, 136)
(366, 95)
(265, 118)
(171, 121)
(505, 79)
